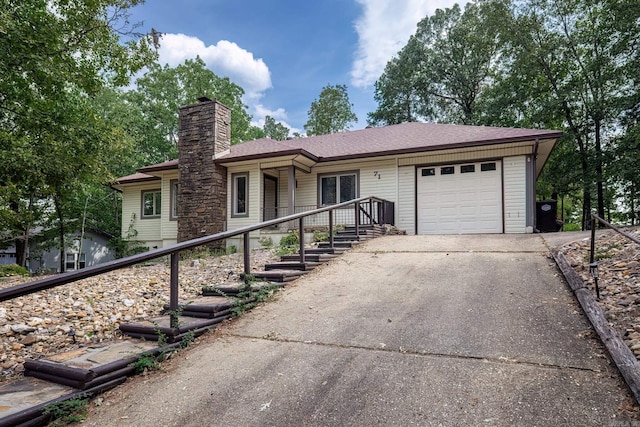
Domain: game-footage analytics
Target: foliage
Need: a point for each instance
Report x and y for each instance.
(127, 245)
(331, 112)
(555, 64)
(161, 92)
(187, 339)
(250, 298)
(145, 362)
(49, 124)
(443, 70)
(265, 241)
(67, 411)
(274, 130)
(8, 270)
(320, 236)
(289, 244)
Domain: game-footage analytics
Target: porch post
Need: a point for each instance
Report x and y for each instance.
(291, 187)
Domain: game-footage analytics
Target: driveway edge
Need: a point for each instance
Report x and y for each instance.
(622, 356)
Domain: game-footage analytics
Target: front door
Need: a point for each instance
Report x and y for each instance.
(270, 202)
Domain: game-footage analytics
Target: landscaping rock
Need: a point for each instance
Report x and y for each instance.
(38, 325)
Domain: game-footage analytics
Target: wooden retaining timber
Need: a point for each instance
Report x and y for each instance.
(88, 378)
(319, 258)
(622, 356)
(152, 329)
(291, 265)
(34, 416)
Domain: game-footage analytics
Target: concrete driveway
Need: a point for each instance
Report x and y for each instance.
(402, 330)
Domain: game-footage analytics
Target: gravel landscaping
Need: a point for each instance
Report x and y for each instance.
(619, 282)
(39, 324)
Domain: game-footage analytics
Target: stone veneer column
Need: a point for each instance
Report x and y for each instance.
(204, 133)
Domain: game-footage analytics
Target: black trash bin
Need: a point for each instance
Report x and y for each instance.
(546, 214)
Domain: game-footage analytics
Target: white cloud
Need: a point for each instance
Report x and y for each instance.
(225, 58)
(262, 111)
(383, 29)
(280, 116)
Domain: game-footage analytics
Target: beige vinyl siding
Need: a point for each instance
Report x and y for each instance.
(376, 178)
(283, 192)
(515, 194)
(169, 228)
(406, 206)
(467, 154)
(148, 229)
(254, 197)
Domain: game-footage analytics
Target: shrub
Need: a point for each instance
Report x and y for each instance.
(7, 270)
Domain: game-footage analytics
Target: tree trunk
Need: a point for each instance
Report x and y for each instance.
(599, 178)
(21, 252)
(61, 230)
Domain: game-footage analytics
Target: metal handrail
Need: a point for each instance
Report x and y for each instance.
(173, 251)
(593, 265)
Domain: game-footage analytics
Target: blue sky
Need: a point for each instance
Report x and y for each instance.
(283, 52)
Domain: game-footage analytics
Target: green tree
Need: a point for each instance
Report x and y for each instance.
(55, 56)
(442, 72)
(570, 54)
(275, 130)
(161, 92)
(331, 112)
(396, 91)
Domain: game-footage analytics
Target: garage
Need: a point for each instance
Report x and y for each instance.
(462, 198)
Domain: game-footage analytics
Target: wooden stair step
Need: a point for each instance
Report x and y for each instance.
(338, 244)
(326, 250)
(313, 257)
(291, 265)
(279, 275)
(349, 237)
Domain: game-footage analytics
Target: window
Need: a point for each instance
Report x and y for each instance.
(467, 168)
(173, 184)
(484, 167)
(428, 172)
(338, 188)
(70, 261)
(240, 194)
(447, 170)
(151, 202)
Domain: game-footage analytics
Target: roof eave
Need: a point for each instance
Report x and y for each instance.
(157, 168)
(294, 152)
(412, 150)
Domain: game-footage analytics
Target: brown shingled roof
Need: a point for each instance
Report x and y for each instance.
(136, 177)
(393, 139)
(168, 165)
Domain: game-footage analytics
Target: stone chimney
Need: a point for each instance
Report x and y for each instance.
(204, 133)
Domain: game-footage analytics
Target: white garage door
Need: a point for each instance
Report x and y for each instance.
(459, 199)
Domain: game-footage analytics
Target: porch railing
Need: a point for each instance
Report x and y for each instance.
(371, 212)
(371, 205)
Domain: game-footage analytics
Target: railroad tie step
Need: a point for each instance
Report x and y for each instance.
(309, 257)
(291, 265)
(279, 275)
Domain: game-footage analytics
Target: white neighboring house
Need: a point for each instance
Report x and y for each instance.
(441, 179)
(94, 251)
